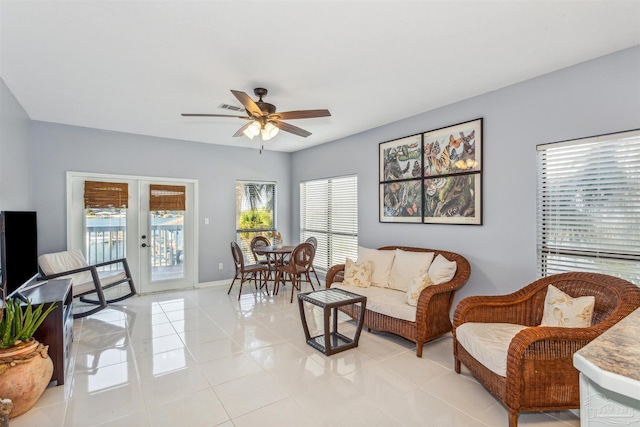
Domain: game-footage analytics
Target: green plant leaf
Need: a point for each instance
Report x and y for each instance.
(40, 318)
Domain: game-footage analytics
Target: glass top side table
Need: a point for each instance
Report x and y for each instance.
(331, 341)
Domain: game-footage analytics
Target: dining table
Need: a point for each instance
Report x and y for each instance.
(276, 255)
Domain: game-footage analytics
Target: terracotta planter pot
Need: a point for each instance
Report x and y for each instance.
(25, 372)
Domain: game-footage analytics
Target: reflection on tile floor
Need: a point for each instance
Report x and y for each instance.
(204, 358)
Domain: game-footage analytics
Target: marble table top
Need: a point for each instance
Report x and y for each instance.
(613, 359)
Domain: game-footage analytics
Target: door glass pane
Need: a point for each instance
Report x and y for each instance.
(167, 245)
(105, 237)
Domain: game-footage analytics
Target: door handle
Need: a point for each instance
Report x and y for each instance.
(144, 245)
(144, 236)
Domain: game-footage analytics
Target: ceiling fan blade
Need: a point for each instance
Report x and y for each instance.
(248, 103)
(240, 131)
(291, 128)
(302, 114)
(213, 115)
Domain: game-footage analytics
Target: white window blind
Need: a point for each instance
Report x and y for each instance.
(588, 205)
(329, 212)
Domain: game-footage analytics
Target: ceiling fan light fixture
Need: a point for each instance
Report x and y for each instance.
(248, 133)
(254, 128)
(269, 131)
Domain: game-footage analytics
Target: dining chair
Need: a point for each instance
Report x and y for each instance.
(299, 265)
(87, 279)
(260, 241)
(314, 243)
(246, 271)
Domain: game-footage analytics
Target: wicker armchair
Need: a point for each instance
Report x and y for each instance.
(539, 366)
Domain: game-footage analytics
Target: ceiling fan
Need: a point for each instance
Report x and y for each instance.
(263, 118)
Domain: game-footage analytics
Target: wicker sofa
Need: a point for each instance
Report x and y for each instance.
(539, 371)
(432, 316)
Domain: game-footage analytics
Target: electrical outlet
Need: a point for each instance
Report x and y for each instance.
(220, 266)
(206, 221)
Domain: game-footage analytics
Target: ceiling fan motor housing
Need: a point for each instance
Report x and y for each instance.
(264, 106)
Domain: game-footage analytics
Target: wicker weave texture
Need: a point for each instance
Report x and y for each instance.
(433, 308)
(540, 373)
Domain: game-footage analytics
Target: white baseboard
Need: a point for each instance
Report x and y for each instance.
(214, 284)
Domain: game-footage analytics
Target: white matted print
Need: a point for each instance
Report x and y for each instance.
(401, 159)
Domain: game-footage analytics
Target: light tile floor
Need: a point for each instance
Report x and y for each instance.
(204, 358)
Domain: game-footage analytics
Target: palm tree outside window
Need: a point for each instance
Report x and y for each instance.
(255, 212)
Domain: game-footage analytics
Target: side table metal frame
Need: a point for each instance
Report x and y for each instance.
(332, 341)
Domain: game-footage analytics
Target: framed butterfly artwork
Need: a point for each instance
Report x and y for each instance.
(434, 177)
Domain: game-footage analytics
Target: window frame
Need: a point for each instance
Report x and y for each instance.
(244, 243)
(588, 206)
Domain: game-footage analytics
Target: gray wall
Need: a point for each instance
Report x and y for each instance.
(60, 148)
(15, 152)
(596, 97)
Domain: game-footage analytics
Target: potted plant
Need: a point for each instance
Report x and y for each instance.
(25, 365)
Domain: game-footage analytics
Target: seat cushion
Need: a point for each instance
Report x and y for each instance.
(59, 262)
(488, 343)
(384, 301)
(111, 276)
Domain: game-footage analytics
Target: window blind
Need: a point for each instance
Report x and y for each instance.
(167, 197)
(329, 212)
(588, 206)
(106, 194)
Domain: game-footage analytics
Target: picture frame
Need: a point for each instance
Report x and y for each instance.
(453, 199)
(453, 149)
(401, 159)
(434, 177)
(401, 201)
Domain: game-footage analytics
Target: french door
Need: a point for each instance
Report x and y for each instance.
(155, 228)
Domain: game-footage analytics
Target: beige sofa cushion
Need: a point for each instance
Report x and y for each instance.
(442, 270)
(384, 301)
(565, 311)
(406, 266)
(488, 343)
(357, 274)
(417, 285)
(381, 262)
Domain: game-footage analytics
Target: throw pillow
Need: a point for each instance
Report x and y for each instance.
(442, 270)
(418, 284)
(381, 262)
(357, 274)
(563, 310)
(406, 265)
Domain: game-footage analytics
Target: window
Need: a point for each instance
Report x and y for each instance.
(329, 212)
(588, 206)
(106, 206)
(255, 213)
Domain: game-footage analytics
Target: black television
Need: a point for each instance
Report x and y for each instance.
(19, 250)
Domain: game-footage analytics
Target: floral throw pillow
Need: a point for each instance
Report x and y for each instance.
(417, 284)
(563, 310)
(357, 274)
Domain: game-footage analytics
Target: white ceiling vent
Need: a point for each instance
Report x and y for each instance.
(232, 108)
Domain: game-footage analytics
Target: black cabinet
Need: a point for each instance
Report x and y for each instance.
(57, 329)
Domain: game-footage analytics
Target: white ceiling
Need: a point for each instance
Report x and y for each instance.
(134, 66)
